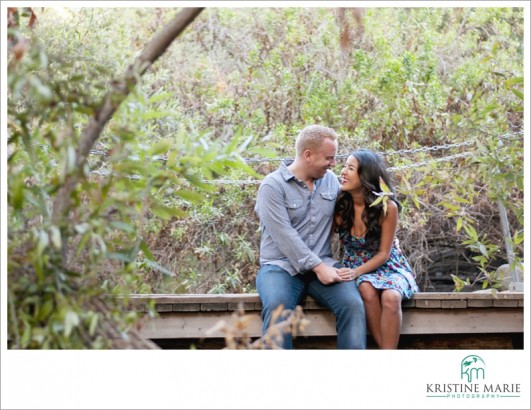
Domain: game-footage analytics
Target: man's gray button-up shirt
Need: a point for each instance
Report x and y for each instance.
(296, 223)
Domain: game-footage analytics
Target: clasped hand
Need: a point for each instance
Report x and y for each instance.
(328, 274)
(347, 274)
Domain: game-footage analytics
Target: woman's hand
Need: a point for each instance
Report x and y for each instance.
(347, 274)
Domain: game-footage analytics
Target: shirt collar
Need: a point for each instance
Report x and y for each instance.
(284, 171)
(287, 175)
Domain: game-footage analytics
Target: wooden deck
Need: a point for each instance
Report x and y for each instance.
(430, 320)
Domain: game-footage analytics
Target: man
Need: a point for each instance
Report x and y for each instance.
(295, 206)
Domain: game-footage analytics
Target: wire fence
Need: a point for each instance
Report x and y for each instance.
(434, 148)
(402, 152)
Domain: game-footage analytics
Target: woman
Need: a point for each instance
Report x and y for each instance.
(372, 256)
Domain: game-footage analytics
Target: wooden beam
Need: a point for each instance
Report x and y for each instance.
(250, 301)
(471, 320)
(175, 325)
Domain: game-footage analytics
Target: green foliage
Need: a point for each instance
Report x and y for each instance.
(56, 270)
(148, 216)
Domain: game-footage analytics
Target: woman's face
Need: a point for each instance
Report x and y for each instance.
(349, 178)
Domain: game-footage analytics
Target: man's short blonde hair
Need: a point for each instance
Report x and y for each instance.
(312, 137)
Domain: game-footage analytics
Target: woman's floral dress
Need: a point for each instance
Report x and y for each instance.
(396, 273)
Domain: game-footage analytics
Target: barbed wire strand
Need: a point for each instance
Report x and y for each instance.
(472, 141)
(430, 149)
(390, 169)
(342, 156)
(258, 181)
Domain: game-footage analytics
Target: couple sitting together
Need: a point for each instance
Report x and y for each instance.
(300, 206)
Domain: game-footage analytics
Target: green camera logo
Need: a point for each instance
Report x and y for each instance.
(472, 368)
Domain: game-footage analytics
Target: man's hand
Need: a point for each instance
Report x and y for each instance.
(347, 274)
(327, 274)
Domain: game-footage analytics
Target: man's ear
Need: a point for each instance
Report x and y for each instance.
(307, 154)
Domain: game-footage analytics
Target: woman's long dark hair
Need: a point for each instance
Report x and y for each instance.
(371, 167)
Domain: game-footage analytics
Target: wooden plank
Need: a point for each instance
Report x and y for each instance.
(195, 298)
(197, 325)
(504, 303)
(322, 322)
(454, 304)
(254, 298)
(481, 303)
(162, 307)
(467, 295)
(206, 307)
(186, 307)
(178, 325)
(450, 300)
(428, 303)
(472, 320)
(245, 305)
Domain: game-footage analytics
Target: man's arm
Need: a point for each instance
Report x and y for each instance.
(275, 218)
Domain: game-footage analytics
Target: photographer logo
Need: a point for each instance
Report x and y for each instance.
(473, 383)
(472, 368)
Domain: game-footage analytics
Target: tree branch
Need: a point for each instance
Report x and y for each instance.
(120, 90)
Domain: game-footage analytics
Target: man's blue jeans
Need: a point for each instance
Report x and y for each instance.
(277, 287)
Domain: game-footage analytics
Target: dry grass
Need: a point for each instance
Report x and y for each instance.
(284, 321)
